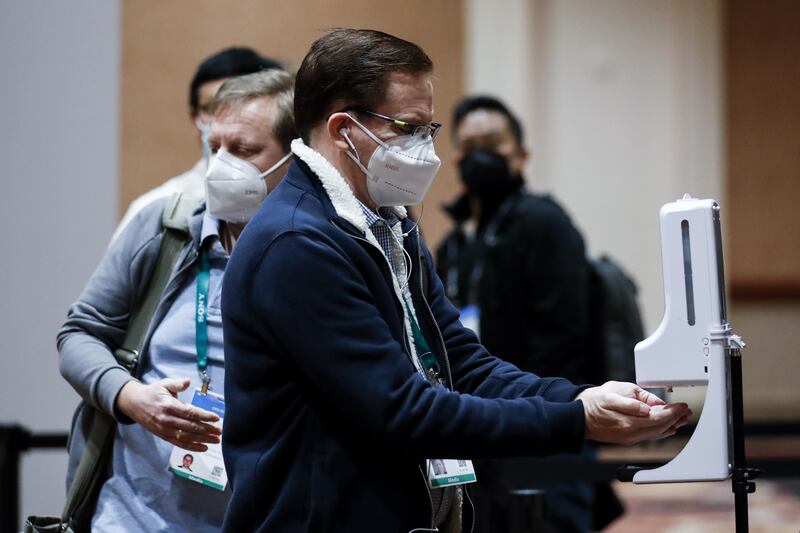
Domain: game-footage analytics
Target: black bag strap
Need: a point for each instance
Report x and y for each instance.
(90, 473)
(175, 220)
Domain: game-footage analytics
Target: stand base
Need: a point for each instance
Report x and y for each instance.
(626, 473)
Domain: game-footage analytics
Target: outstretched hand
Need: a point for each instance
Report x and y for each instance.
(624, 413)
(156, 407)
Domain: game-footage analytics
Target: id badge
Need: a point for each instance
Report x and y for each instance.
(471, 318)
(449, 472)
(206, 468)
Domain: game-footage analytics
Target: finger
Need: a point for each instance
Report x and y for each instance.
(668, 433)
(174, 386)
(178, 434)
(682, 421)
(649, 398)
(674, 428)
(623, 388)
(662, 422)
(679, 408)
(192, 413)
(663, 417)
(628, 406)
(653, 425)
(191, 437)
(656, 432)
(195, 427)
(186, 445)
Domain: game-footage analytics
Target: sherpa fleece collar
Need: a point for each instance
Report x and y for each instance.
(337, 188)
(349, 208)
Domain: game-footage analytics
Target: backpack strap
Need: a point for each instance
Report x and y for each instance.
(91, 471)
(178, 211)
(175, 220)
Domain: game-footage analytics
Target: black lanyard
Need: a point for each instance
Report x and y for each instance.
(488, 240)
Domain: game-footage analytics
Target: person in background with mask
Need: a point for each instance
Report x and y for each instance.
(342, 349)
(250, 133)
(515, 266)
(211, 73)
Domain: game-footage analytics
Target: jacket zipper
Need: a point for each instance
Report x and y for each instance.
(396, 298)
(432, 317)
(408, 352)
(447, 363)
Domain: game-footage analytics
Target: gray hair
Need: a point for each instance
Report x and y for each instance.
(276, 83)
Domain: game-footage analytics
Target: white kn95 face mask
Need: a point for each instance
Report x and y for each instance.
(235, 188)
(400, 170)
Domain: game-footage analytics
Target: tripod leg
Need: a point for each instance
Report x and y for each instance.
(742, 525)
(742, 479)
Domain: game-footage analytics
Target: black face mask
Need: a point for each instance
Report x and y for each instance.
(484, 173)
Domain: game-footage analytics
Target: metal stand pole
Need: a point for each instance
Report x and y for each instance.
(14, 440)
(11, 445)
(527, 510)
(742, 477)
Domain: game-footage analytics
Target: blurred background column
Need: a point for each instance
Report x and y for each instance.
(59, 151)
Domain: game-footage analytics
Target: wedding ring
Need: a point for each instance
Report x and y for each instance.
(178, 434)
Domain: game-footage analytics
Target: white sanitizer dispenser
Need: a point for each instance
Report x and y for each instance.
(689, 346)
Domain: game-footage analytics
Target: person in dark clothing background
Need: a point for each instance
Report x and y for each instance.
(516, 267)
(515, 263)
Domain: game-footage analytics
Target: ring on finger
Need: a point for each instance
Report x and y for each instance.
(178, 434)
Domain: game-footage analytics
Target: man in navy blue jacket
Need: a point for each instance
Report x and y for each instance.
(348, 370)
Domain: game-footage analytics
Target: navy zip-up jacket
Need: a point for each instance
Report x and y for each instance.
(327, 422)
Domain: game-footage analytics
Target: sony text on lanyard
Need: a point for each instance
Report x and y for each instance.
(201, 318)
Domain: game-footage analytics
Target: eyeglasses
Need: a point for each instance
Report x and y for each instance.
(422, 130)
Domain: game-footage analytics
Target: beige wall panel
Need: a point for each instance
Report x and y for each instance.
(771, 366)
(763, 147)
(163, 42)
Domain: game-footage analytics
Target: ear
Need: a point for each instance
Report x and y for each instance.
(339, 123)
(192, 116)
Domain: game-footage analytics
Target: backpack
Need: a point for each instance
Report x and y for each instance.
(616, 322)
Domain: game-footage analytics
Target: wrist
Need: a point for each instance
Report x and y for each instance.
(584, 393)
(584, 398)
(124, 402)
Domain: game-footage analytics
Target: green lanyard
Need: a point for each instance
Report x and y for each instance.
(424, 354)
(201, 317)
